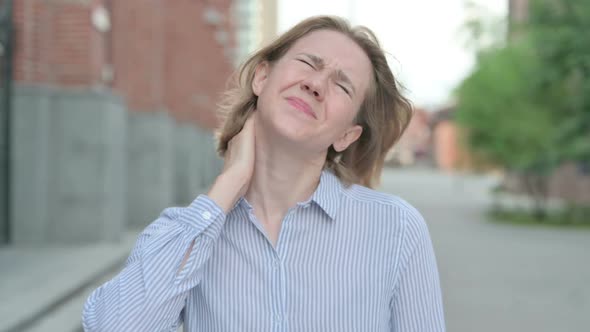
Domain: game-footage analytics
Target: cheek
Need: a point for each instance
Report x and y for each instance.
(339, 119)
(342, 113)
(267, 94)
(287, 78)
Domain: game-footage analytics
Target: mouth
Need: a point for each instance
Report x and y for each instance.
(301, 105)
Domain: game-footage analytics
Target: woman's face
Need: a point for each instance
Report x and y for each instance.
(312, 94)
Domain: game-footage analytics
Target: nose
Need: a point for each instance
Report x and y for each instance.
(313, 86)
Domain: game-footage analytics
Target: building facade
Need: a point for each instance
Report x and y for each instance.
(256, 25)
(111, 115)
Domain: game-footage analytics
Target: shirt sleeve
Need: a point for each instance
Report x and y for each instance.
(416, 304)
(150, 292)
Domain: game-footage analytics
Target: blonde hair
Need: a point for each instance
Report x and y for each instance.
(384, 113)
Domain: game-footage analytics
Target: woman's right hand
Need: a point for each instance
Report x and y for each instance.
(238, 167)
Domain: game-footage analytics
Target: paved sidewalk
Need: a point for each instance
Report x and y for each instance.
(35, 283)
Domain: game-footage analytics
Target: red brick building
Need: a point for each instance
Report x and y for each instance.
(445, 140)
(112, 110)
(156, 54)
(415, 144)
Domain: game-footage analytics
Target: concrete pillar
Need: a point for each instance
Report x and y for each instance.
(150, 157)
(197, 163)
(69, 166)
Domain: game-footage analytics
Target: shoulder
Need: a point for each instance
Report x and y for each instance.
(392, 208)
(363, 195)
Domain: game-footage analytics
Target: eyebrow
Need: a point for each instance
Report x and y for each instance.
(340, 75)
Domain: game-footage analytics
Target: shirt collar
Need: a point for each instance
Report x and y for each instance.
(327, 194)
(243, 203)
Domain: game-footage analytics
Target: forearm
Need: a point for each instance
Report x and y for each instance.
(151, 290)
(227, 189)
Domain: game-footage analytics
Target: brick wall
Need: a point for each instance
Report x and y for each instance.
(196, 64)
(55, 43)
(138, 52)
(162, 54)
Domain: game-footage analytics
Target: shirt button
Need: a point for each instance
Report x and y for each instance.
(206, 215)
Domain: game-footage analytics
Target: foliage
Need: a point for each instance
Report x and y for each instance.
(559, 31)
(506, 123)
(526, 106)
(568, 217)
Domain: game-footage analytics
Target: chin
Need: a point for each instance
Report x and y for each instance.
(296, 126)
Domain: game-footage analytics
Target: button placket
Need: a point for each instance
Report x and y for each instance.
(277, 286)
(278, 277)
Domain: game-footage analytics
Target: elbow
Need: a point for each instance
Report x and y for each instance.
(93, 313)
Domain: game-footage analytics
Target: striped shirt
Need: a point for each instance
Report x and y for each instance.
(347, 259)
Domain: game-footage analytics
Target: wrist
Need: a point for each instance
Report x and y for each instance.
(226, 190)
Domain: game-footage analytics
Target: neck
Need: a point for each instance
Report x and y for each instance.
(281, 178)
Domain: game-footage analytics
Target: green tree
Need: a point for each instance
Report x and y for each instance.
(506, 121)
(526, 106)
(559, 33)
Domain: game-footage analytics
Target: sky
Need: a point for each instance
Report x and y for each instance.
(423, 38)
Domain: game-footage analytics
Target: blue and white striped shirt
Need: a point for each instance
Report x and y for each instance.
(348, 259)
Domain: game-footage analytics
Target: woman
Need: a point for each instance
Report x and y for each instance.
(290, 237)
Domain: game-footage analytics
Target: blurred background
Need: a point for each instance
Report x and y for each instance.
(107, 113)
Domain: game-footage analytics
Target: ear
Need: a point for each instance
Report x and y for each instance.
(260, 76)
(349, 137)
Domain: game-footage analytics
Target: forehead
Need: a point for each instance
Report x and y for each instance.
(338, 51)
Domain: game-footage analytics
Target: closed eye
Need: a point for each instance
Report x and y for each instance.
(344, 88)
(307, 63)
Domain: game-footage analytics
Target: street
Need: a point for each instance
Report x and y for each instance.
(498, 277)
